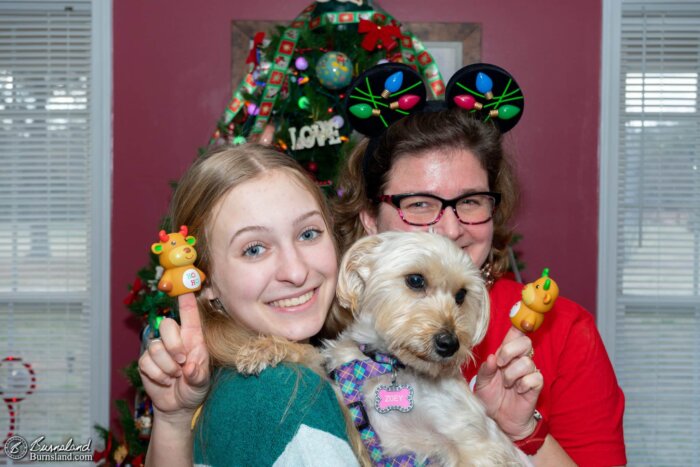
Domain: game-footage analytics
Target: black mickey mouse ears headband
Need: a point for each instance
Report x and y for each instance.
(389, 92)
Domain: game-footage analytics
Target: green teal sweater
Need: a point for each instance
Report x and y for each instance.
(286, 416)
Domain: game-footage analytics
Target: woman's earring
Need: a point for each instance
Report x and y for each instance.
(431, 229)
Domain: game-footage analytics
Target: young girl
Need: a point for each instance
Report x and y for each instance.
(265, 244)
(175, 371)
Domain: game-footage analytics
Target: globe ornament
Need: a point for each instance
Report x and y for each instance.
(334, 70)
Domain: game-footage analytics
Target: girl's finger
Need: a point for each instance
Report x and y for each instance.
(172, 340)
(151, 371)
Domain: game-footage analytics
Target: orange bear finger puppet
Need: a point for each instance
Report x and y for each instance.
(538, 298)
(177, 255)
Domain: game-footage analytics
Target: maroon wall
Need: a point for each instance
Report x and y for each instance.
(172, 82)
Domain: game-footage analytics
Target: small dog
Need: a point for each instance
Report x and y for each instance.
(419, 307)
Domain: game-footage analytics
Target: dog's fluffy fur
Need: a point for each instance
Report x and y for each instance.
(448, 424)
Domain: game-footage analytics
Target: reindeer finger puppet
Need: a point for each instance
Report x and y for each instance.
(538, 298)
(177, 255)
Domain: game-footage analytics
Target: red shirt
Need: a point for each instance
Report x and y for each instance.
(581, 399)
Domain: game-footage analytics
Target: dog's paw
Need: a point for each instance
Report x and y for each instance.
(312, 358)
(268, 351)
(259, 353)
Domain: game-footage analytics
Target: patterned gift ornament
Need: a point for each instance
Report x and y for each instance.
(334, 70)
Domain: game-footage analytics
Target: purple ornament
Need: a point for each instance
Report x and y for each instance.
(337, 121)
(301, 63)
(252, 109)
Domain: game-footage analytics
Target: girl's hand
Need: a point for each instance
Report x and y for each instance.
(175, 368)
(509, 383)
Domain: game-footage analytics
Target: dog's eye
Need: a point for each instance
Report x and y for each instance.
(459, 296)
(415, 281)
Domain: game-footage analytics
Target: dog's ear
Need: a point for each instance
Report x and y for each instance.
(354, 270)
(482, 322)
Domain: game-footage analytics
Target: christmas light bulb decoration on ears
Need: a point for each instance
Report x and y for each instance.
(382, 95)
(538, 298)
(392, 84)
(484, 85)
(177, 255)
(388, 92)
(467, 102)
(489, 92)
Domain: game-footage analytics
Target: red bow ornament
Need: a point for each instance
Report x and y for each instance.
(104, 454)
(387, 34)
(134, 292)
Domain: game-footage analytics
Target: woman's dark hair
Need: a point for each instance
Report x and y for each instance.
(362, 181)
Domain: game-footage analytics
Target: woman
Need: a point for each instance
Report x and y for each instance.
(447, 157)
(271, 272)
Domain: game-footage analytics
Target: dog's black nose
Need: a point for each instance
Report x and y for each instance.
(446, 344)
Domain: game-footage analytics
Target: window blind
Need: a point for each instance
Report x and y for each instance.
(649, 300)
(50, 179)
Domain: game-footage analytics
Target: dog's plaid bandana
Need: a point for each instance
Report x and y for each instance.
(350, 378)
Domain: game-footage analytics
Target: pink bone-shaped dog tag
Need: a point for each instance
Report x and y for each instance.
(388, 398)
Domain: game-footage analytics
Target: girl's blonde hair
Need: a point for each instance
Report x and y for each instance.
(206, 182)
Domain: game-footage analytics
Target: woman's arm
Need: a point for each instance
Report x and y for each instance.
(552, 454)
(586, 403)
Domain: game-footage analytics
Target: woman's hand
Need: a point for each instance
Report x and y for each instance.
(175, 368)
(508, 383)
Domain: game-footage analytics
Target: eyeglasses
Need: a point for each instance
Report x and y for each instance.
(422, 209)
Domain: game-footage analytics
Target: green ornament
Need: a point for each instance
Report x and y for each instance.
(304, 103)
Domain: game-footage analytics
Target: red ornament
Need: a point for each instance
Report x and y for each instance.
(104, 454)
(257, 44)
(386, 34)
(312, 167)
(138, 461)
(15, 389)
(133, 293)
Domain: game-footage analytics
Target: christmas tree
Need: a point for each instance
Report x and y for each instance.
(293, 94)
(292, 97)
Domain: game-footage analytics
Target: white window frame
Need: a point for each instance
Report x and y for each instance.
(609, 147)
(101, 112)
(608, 150)
(101, 187)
